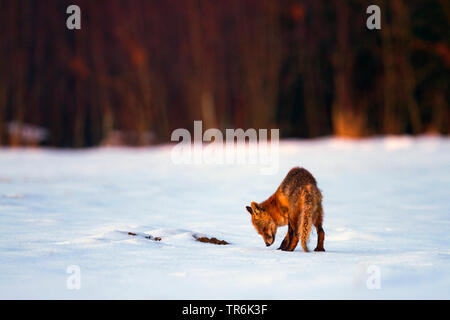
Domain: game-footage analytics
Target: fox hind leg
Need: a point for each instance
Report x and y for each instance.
(319, 229)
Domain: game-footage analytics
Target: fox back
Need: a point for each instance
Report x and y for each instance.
(297, 183)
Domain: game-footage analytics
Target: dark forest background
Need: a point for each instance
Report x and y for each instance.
(139, 69)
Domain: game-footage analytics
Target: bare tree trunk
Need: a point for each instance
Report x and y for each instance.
(400, 106)
(347, 120)
(311, 67)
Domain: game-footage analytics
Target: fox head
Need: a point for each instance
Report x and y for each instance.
(263, 223)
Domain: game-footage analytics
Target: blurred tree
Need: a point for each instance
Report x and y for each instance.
(139, 69)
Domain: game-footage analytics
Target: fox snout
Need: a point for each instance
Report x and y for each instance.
(269, 241)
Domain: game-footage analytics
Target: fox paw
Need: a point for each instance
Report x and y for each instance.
(319, 249)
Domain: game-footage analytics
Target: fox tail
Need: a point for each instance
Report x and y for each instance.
(305, 225)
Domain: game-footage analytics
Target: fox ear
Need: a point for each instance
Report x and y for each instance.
(249, 209)
(255, 208)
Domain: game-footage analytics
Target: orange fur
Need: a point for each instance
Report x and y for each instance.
(297, 203)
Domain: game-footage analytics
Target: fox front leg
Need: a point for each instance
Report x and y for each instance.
(290, 237)
(285, 242)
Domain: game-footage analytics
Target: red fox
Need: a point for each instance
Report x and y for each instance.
(297, 203)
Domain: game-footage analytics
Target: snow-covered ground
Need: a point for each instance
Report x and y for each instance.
(386, 202)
